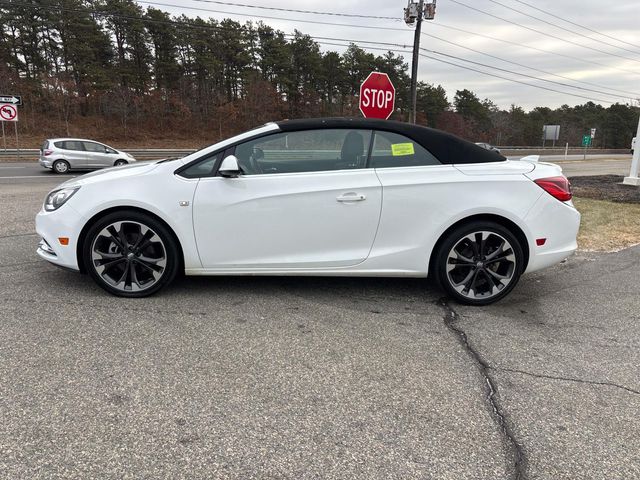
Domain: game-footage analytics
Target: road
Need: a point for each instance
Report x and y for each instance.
(575, 165)
(313, 378)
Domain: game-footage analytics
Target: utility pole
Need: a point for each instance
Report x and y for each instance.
(414, 64)
(414, 14)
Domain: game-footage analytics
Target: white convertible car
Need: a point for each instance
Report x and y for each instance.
(349, 197)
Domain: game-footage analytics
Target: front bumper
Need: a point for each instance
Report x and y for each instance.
(64, 222)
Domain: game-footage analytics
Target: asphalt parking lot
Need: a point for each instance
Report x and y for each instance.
(314, 377)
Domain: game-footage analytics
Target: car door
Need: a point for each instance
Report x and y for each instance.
(306, 200)
(420, 195)
(74, 153)
(96, 155)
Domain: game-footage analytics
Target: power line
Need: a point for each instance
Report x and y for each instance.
(355, 42)
(511, 71)
(297, 20)
(560, 27)
(576, 24)
(541, 50)
(370, 27)
(543, 33)
(313, 12)
(451, 56)
(512, 79)
(474, 70)
(533, 68)
(378, 28)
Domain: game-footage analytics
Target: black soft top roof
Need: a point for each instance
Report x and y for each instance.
(446, 147)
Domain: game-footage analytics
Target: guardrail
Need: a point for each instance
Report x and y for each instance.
(137, 153)
(32, 154)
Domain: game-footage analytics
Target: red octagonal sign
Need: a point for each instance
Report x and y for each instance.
(377, 96)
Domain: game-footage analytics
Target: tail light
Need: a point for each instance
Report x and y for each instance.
(557, 187)
(48, 152)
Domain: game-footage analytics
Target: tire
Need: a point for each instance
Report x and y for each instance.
(61, 166)
(470, 267)
(130, 254)
(119, 163)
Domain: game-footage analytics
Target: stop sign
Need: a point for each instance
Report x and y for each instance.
(377, 96)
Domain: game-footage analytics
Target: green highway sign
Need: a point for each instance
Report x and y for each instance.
(586, 140)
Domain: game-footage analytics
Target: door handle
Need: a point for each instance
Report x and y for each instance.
(351, 197)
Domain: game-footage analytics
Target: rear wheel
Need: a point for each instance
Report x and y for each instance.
(478, 263)
(61, 166)
(119, 163)
(130, 254)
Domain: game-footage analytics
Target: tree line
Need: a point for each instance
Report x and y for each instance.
(111, 69)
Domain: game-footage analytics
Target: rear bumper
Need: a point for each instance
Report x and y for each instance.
(556, 222)
(45, 163)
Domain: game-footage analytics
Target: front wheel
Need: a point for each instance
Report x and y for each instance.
(119, 163)
(130, 254)
(478, 263)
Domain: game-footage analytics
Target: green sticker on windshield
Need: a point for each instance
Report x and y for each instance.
(401, 149)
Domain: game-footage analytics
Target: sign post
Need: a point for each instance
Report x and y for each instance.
(9, 113)
(550, 132)
(4, 139)
(377, 96)
(586, 143)
(633, 179)
(15, 124)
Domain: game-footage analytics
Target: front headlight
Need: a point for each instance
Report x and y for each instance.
(57, 198)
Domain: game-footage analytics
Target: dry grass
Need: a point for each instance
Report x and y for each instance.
(607, 226)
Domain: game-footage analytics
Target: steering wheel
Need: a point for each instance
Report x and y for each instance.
(256, 155)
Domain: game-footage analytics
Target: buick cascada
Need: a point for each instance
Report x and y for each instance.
(333, 197)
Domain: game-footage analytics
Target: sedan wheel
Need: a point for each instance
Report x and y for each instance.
(131, 257)
(61, 166)
(119, 163)
(479, 264)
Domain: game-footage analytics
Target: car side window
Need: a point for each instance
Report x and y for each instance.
(94, 147)
(202, 168)
(72, 145)
(304, 151)
(395, 150)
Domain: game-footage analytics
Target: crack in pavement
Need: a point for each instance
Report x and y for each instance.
(19, 235)
(566, 379)
(108, 307)
(450, 320)
(21, 264)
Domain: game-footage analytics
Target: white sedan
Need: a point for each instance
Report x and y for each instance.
(349, 197)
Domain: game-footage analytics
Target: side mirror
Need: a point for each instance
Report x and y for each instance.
(229, 167)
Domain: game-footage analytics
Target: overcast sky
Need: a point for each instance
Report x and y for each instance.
(619, 19)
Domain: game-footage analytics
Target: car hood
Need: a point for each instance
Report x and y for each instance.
(112, 173)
